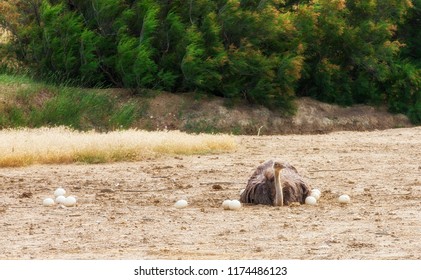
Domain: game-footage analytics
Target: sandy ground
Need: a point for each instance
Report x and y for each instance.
(125, 210)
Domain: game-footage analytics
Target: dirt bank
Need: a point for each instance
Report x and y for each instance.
(189, 113)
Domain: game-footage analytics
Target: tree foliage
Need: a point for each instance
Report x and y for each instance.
(267, 52)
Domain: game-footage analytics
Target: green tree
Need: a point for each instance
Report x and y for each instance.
(266, 52)
(409, 33)
(134, 60)
(350, 48)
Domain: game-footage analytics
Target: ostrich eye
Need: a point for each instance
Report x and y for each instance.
(278, 165)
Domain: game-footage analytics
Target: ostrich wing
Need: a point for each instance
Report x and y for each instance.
(294, 187)
(260, 188)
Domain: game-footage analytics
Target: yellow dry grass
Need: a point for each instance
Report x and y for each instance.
(21, 147)
(5, 36)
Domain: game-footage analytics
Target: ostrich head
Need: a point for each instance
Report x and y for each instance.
(278, 166)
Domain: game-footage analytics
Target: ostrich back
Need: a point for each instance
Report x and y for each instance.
(260, 188)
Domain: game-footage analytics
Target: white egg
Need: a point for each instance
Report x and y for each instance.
(311, 200)
(315, 193)
(60, 199)
(59, 191)
(226, 204)
(181, 204)
(69, 201)
(48, 202)
(344, 199)
(234, 205)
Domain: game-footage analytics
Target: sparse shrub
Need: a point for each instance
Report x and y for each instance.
(16, 116)
(124, 117)
(201, 126)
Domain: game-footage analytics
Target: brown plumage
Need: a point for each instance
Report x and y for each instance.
(275, 183)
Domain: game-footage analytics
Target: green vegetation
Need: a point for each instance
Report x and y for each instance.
(266, 52)
(32, 104)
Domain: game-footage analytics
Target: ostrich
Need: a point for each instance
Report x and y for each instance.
(275, 183)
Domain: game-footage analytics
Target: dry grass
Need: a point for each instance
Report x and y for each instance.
(5, 36)
(21, 147)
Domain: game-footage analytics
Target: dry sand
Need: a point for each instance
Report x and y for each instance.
(125, 210)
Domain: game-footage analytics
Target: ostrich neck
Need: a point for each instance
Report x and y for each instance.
(279, 195)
